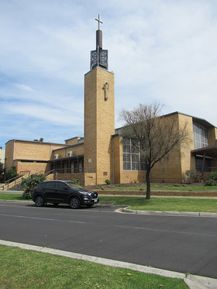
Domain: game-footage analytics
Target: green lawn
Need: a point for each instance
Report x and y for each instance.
(164, 204)
(160, 187)
(181, 204)
(11, 196)
(22, 269)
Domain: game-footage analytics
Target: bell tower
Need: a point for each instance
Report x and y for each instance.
(98, 115)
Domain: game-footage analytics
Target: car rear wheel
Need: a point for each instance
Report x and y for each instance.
(75, 203)
(39, 201)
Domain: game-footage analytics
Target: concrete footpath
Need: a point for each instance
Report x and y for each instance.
(193, 281)
(167, 213)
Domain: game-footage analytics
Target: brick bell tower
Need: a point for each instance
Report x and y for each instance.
(98, 115)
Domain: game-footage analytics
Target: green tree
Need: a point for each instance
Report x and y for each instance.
(1, 172)
(29, 183)
(11, 173)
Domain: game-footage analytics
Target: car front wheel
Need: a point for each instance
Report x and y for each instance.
(55, 204)
(90, 205)
(39, 201)
(75, 203)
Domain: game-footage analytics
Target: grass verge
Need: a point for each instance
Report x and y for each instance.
(32, 270)
(11, 196)
(156, 187)
(164, 204)
(155, 204)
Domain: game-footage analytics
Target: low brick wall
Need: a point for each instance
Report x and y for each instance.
(136, 193)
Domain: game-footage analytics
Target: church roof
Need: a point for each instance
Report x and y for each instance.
(196, 119)
(36, 142)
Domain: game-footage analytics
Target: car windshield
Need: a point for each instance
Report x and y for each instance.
(76, 187)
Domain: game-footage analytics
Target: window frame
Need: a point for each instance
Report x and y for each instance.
(130, 153)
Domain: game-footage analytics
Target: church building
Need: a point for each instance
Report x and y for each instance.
(101, 154)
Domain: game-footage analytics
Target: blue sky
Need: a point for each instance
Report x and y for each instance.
(160, 50)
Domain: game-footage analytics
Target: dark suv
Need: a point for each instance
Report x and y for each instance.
(56, 192)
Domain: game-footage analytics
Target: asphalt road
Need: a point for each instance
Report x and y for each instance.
(183, 244)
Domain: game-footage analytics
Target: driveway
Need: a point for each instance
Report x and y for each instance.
(183, 244)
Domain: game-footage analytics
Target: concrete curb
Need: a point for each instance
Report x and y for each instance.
(17, 201)
(199, 282)
(166, 213)
(193, 281)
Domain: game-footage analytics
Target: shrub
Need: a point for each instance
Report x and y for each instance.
(192, 176)
(212, 180)
(75, 181)
(210, 183)
(11, 173)
(213, 176)
(108, 182)
(29, 183)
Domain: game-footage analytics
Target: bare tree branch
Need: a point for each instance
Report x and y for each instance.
(156, 135)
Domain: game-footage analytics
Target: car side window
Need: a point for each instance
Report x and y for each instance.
(49, 185)
(61, 186)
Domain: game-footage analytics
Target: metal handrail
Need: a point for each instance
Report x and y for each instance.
(21, 174)
(15, 179)
(49, 172)
(65, 171)
(12, 179)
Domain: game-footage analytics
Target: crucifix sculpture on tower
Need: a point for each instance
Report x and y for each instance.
(99, 21)
(99, 57)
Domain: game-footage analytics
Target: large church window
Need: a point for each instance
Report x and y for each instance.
(203, 164)
(200, 136)
(131, 154)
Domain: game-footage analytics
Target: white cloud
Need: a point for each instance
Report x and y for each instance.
(171, 58)
(24, 87)
(48, 114)
(161, 51)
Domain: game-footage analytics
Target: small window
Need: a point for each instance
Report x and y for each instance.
(56, 156)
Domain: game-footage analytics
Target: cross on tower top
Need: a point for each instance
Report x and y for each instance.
(99, 21)
(98, 57)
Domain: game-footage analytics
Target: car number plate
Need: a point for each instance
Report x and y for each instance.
(95, 200)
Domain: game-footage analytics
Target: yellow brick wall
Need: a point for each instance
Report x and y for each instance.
(176, 164)
(90, 129)
(187, 160)
(33, 168)
(2, 156)
(76, 150)
(172, 167)
(72, 141)
(70, 176)
(169, 168)
(211, 136)
(132, 177)
(33, 151)
(90, 179)
(9, 155)
(115, 159)
(21, 150)
(98, 124)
